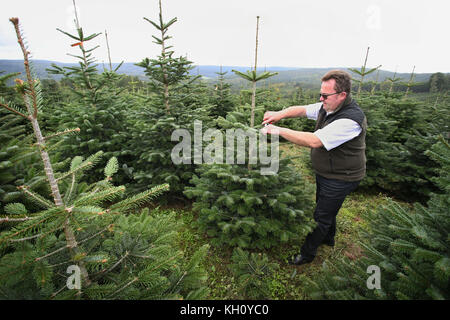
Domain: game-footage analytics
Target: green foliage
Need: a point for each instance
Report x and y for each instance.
(95, 105)
(252, 76)
(222, 101)
(363, 72)
(176, 100)
(89, 227)
(239, 206)
(252, 272)
(399, 132)
(439, 82)
(19, 164)
(411, 247)
(126, 256)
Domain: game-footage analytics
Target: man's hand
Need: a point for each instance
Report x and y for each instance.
(270, 129)
(272, 116)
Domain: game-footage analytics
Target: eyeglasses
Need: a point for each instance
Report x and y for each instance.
(326, 95)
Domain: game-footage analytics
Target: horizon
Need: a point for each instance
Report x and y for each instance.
(236, 66)
(401, 34)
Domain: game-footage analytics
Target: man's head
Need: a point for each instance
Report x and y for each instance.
(336, 87)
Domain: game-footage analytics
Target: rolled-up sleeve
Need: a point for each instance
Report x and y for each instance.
(312, 110)
(338, 132)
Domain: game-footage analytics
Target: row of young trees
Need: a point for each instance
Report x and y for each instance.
(409, 246)
(77, 224)
(127, 253)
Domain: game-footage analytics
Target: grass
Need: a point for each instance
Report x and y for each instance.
(288, 282)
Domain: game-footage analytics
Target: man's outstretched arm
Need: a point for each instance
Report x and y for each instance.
(301, 138)
(291, 112)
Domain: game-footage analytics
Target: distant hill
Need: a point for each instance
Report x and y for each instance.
(310, 76)
(129, 68)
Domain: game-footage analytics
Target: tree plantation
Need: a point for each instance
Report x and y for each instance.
(93, 205)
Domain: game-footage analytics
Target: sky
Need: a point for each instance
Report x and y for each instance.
(401, 34)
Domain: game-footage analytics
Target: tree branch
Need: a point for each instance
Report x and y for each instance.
(15, 111)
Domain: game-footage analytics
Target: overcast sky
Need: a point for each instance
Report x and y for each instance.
(292, 33)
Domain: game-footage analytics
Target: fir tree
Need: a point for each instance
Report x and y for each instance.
(392, 82)
(176, 100)
(222, 101)
(411, 248)
(239, 206)
(252, 273)
(95, 106)
(400, 131)
(362, 72)
(92, 228)
(253, 77)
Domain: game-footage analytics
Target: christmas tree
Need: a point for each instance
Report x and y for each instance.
(95, 105)
(409, 247)
(176, 100)
(238, 203)
(89, 231)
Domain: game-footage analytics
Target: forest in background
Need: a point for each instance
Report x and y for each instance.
(139, 227)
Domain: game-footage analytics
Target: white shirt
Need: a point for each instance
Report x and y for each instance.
(337, 132)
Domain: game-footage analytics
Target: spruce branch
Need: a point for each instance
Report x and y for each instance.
(79, 242)
(68, 195)
(8, 219)
(33, 111)
(32, 93)
(57, 134)
(140, 198)
(41, 201)
(100, 196)
(15, 111)
(52, 146)
(8, 236)
(145, 271)
(82, 167)
(124, 287)
(105, 271)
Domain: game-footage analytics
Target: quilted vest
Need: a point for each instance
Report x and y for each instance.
(348, 161)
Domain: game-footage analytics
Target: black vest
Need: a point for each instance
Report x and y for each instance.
(347, 161)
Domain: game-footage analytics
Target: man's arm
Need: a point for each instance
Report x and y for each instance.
(294, 112)
(331, 136)
(310, 111)
(301, 138)
(291, 112)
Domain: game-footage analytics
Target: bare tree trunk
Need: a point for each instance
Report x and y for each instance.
(163, 54)
(109, 52)
(32, 110)
(363, 72)
(252, 118)
(409, 82)
(375, 85)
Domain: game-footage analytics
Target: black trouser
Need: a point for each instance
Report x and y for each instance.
(330, 194)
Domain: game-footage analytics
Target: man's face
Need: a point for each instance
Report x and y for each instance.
(331, 102)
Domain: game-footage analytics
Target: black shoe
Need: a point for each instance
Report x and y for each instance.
(328, 243)
(299, 260)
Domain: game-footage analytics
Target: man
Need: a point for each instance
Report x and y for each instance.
(337, 153)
